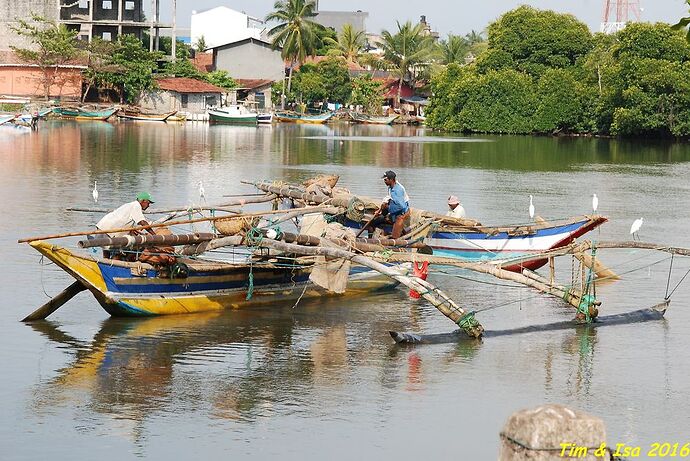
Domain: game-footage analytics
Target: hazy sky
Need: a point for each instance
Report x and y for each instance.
(458, 16)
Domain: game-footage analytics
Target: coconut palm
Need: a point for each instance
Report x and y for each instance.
(350, 43)
(407, 50)
(453, 49)
(295, 32)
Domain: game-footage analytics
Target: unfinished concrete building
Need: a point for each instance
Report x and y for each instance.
(105, 19)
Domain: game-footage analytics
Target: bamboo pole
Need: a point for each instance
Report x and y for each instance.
(262, 198)
(153, 226)
(644, 246)
(435, 296)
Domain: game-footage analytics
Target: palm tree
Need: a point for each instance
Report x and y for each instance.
(474, 37)
(350, 43)
(406, 50)
(453, 49)
(296, 31)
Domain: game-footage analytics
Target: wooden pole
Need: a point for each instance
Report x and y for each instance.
(153, 226)
(56, 302)
(440, 300)
(552, 270)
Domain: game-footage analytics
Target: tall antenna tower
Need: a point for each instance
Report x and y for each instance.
(617, 13)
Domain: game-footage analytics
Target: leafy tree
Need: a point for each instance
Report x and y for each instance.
(296, 31)
(222, 79)
(182, 50)
(53, 46)
(407, 50)
(683, 24)
(135, 66)
(368, 93)
(182, 67)
(349, 43)
(333, 71)
(200, 44)
(538, 39)
(99, 53)
(325, 37)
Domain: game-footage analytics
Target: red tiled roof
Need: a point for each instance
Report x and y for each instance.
(251, 83)
(203, 61)
(187, 85)
(10, 58)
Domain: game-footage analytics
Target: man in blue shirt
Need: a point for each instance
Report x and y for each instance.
(395, 208)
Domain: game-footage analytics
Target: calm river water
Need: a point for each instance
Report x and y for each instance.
(323, 380)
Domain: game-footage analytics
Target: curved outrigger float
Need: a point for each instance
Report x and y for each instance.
(281, 266)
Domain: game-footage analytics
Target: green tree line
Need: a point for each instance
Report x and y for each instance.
(544, 72)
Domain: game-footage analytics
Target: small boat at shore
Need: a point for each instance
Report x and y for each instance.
(294, 117)
(359, 117)
(265, 119)
(144, 117)
(79, 113)
(234, 114)
(4, 118)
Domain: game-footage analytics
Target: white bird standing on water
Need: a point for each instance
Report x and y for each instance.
(202, 192)
(636, 227)
(595, 203)
(94, 192)
(531, 208)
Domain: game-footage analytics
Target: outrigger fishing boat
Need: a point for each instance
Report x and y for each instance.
(78, 113)
(466, 239)
(358, 117)
(144, 117)
(323, 258)
(294, 117)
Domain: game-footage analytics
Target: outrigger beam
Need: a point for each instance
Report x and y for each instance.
(464, 319)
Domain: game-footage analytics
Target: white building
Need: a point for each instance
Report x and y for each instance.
(221, 25)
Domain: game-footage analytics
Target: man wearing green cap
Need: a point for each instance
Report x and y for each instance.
(128, 215)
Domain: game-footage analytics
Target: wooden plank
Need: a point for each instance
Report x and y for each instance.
(56, 302)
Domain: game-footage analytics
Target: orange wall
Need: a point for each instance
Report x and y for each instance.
(27, 81)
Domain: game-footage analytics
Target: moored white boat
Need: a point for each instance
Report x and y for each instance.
(234, 113)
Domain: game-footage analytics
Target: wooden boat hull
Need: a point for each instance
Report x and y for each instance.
(79, 114)
(503, 245)
(146, 117)
(223, 117)
(372, 120)
(301, 118)
(266, 119)
(6, 118)
(122, 292)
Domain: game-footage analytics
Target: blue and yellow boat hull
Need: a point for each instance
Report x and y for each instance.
(136, 289)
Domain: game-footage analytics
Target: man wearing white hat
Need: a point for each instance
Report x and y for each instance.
(455, 209)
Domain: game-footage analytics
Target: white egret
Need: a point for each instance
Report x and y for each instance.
(636, 227)
(202, 192)
(531, 208)
(94, 192)
(595, 203)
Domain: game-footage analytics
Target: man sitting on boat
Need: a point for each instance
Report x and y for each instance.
(455, 209)
(127, 216)
(395, 208)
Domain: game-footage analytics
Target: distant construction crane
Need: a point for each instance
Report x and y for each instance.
(617, 13)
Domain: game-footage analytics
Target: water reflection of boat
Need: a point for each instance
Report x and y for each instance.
(294, 117)
(372, 119)
(139, 289)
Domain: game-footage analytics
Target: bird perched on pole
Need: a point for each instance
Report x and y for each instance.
(595, 203)
(636, 227)
(94, 192)
(531, 208)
